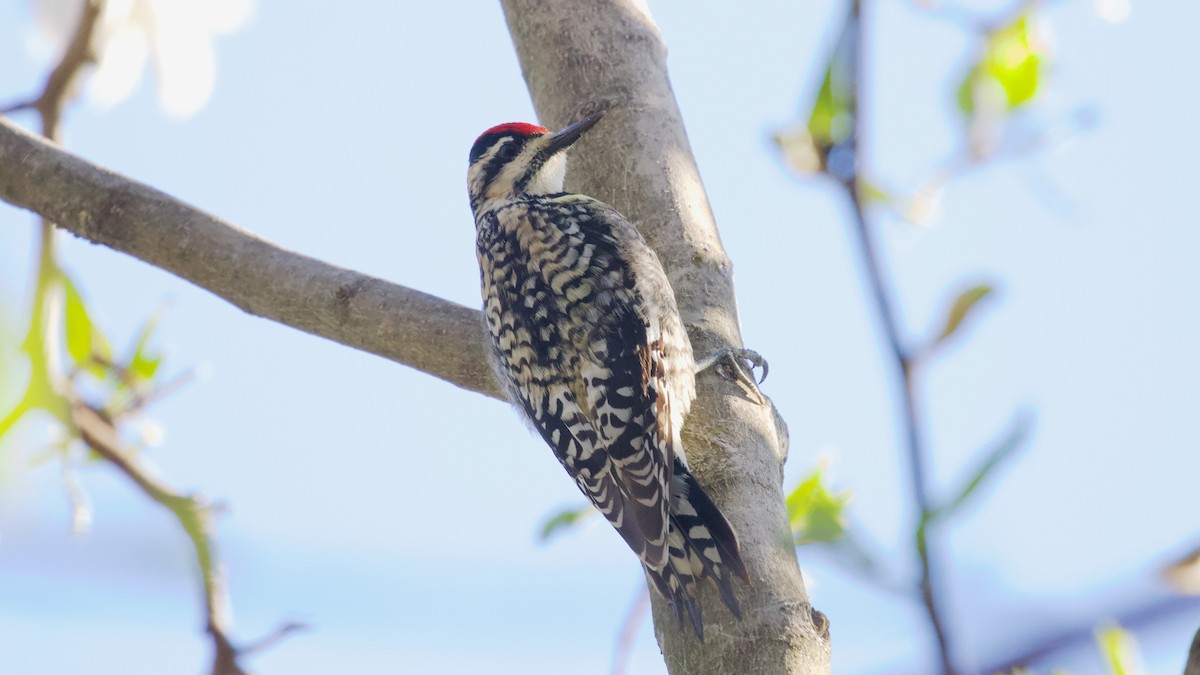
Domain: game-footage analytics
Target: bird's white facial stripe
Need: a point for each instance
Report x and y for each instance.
(478, 168)
(550, 177)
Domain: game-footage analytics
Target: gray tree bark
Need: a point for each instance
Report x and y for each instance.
(1193, 662)
(576, 57)
(580, 56)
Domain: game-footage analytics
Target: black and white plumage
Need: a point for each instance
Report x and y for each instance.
(587, 343)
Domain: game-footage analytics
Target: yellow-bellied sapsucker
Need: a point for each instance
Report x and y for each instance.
(587, 343)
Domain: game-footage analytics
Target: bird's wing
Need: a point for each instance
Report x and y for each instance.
(563, 424)
(537, 353)
(626, 375)
(629, 403)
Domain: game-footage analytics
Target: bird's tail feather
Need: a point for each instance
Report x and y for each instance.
(701, 545)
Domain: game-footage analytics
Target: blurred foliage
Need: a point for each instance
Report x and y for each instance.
(1009, 72)
(831, 120)
(44, 391)
(71, 362)
(1001, 452)
(564, 520)
(143, 361)
(962, 307)
(817, 513)
(1119, 651)
(86, 344)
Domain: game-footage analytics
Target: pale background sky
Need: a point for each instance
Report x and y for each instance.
(359, 489)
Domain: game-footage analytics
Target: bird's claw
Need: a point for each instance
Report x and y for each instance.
(736, 363)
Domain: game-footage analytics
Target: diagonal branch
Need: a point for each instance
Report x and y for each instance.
(430, 334)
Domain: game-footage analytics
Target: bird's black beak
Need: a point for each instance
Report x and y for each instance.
(561, 140)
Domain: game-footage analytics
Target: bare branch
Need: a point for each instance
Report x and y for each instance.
(629, 626)
(436, 336)
(18, 106)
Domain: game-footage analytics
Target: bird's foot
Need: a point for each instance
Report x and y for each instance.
(738, 364)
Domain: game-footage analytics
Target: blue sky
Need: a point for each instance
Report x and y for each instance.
(359, 489)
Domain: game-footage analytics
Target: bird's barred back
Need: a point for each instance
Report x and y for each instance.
(562, 308)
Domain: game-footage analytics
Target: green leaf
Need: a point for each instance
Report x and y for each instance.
(13, 416)
(1119, 650)
(965, 95)
(40, 393)
(872, 193)
(815, 512)
(84, 339)
(822, 121)
(962, 307)
(79, 325)
(1003, 451)
(144, 363)
(564, 520)
(832, 118)
(1014, 60)
(1012, 63)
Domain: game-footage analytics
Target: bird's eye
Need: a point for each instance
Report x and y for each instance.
(508, 151)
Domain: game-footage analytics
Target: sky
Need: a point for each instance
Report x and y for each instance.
(360, 493)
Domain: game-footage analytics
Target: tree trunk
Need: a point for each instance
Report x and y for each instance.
(581, 56)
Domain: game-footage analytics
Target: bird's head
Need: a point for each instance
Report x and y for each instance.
(516, 159)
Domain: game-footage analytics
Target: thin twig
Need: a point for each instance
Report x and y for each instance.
(140, 398)
(1083, 633)
(273, 638)
(637, 612)
(61, 81)
(905, 363)
(195, 517)
(18, 106)
(913, 441)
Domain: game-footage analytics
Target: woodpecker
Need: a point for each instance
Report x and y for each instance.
(587, 343)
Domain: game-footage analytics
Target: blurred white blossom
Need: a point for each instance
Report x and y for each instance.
(177, 34)
(150, 433)
(1114, 11)
(924, 206)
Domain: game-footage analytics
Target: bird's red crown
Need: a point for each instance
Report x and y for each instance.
(518, 128)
